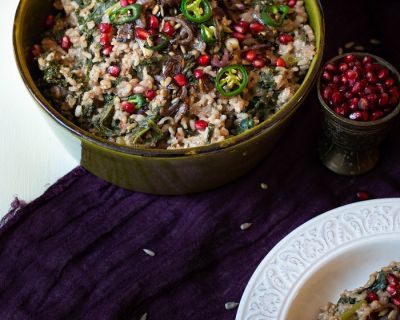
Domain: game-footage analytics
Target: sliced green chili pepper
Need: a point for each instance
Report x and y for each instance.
(197, 11)
(208, 34)
(348, 315)
(274, 15)
(138, 99)
(231, 80)
(125, 14)
(160, 41)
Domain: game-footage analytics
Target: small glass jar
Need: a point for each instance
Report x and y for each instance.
(350, 147)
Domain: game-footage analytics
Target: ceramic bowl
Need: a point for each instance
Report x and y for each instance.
(150, 170)
(350, 147)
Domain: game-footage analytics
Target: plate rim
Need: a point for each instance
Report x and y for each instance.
(298, 230)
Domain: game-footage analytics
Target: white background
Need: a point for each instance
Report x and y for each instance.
(31, 158)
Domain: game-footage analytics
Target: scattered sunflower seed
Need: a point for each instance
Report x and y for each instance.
(374, 41)
(349, 45)
(264, 186)
(144, 317)
(245, 226)
(359, 48)
(340, 50)
(244, 154)
(231, 305)
(149, 252)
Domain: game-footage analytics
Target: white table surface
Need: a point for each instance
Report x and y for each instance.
(31, 158)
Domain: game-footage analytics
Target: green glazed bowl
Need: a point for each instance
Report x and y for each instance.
(153, 170)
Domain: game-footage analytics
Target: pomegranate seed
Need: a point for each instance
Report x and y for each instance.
(114, 71)
(343, 67)
(344, 79)
(153, 22)
(363, 104)
(239, 36)
(250, 55)
(357, 116)
(105, 27)
(181, 80)
(394, 91)
(257, 27)
(201, 125)
(393, 101)
(287, 38)
(105, 39)
(125, 3)
(373, 97)
(354, 104)
(36, 50)
(327, 93)
(389, 82)
(392, 290)
(168, 29)
(107, 50)
(141, 33)
(356, 87)
(396, 300)
(325, 75)
(128, 107)
(367, 59)
(336, 79)
(204, 60)
(380, 87)
(50, 22)
(280, 63)
(198, 73)
(245, 25)
(340, 110)
(351, 74)
(258, 63)
(369, 89)
(330, 67)
(150, 94)
(383, 100)
(362, 195)
(376, 115)
(336, 98)
(368, 67)
(239, 28)
(372, 296)
(392, 279)
(383, 74)
(348, 95)
(349, 58)
(66, 43)
(292, 3)
(371, 78)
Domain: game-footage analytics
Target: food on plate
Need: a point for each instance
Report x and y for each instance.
(173, 74)
(379, 299)
(359, 88)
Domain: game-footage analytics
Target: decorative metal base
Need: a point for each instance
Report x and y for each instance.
(347, 162)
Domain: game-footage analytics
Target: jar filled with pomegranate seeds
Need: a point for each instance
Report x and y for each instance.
(360, 96)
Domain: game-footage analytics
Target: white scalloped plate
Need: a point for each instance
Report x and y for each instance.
(328, 254)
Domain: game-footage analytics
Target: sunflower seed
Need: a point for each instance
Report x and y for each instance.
(264, 186)
(144, 317)
(349, 45)
(340, 50)
(149, 252)
(359, 48)
(374, 42)
(231, 305)
(245, 226)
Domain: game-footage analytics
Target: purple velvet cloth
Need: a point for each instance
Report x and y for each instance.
(76, 252)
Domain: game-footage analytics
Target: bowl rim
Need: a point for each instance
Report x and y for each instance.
(232, 141)
(360, 124)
